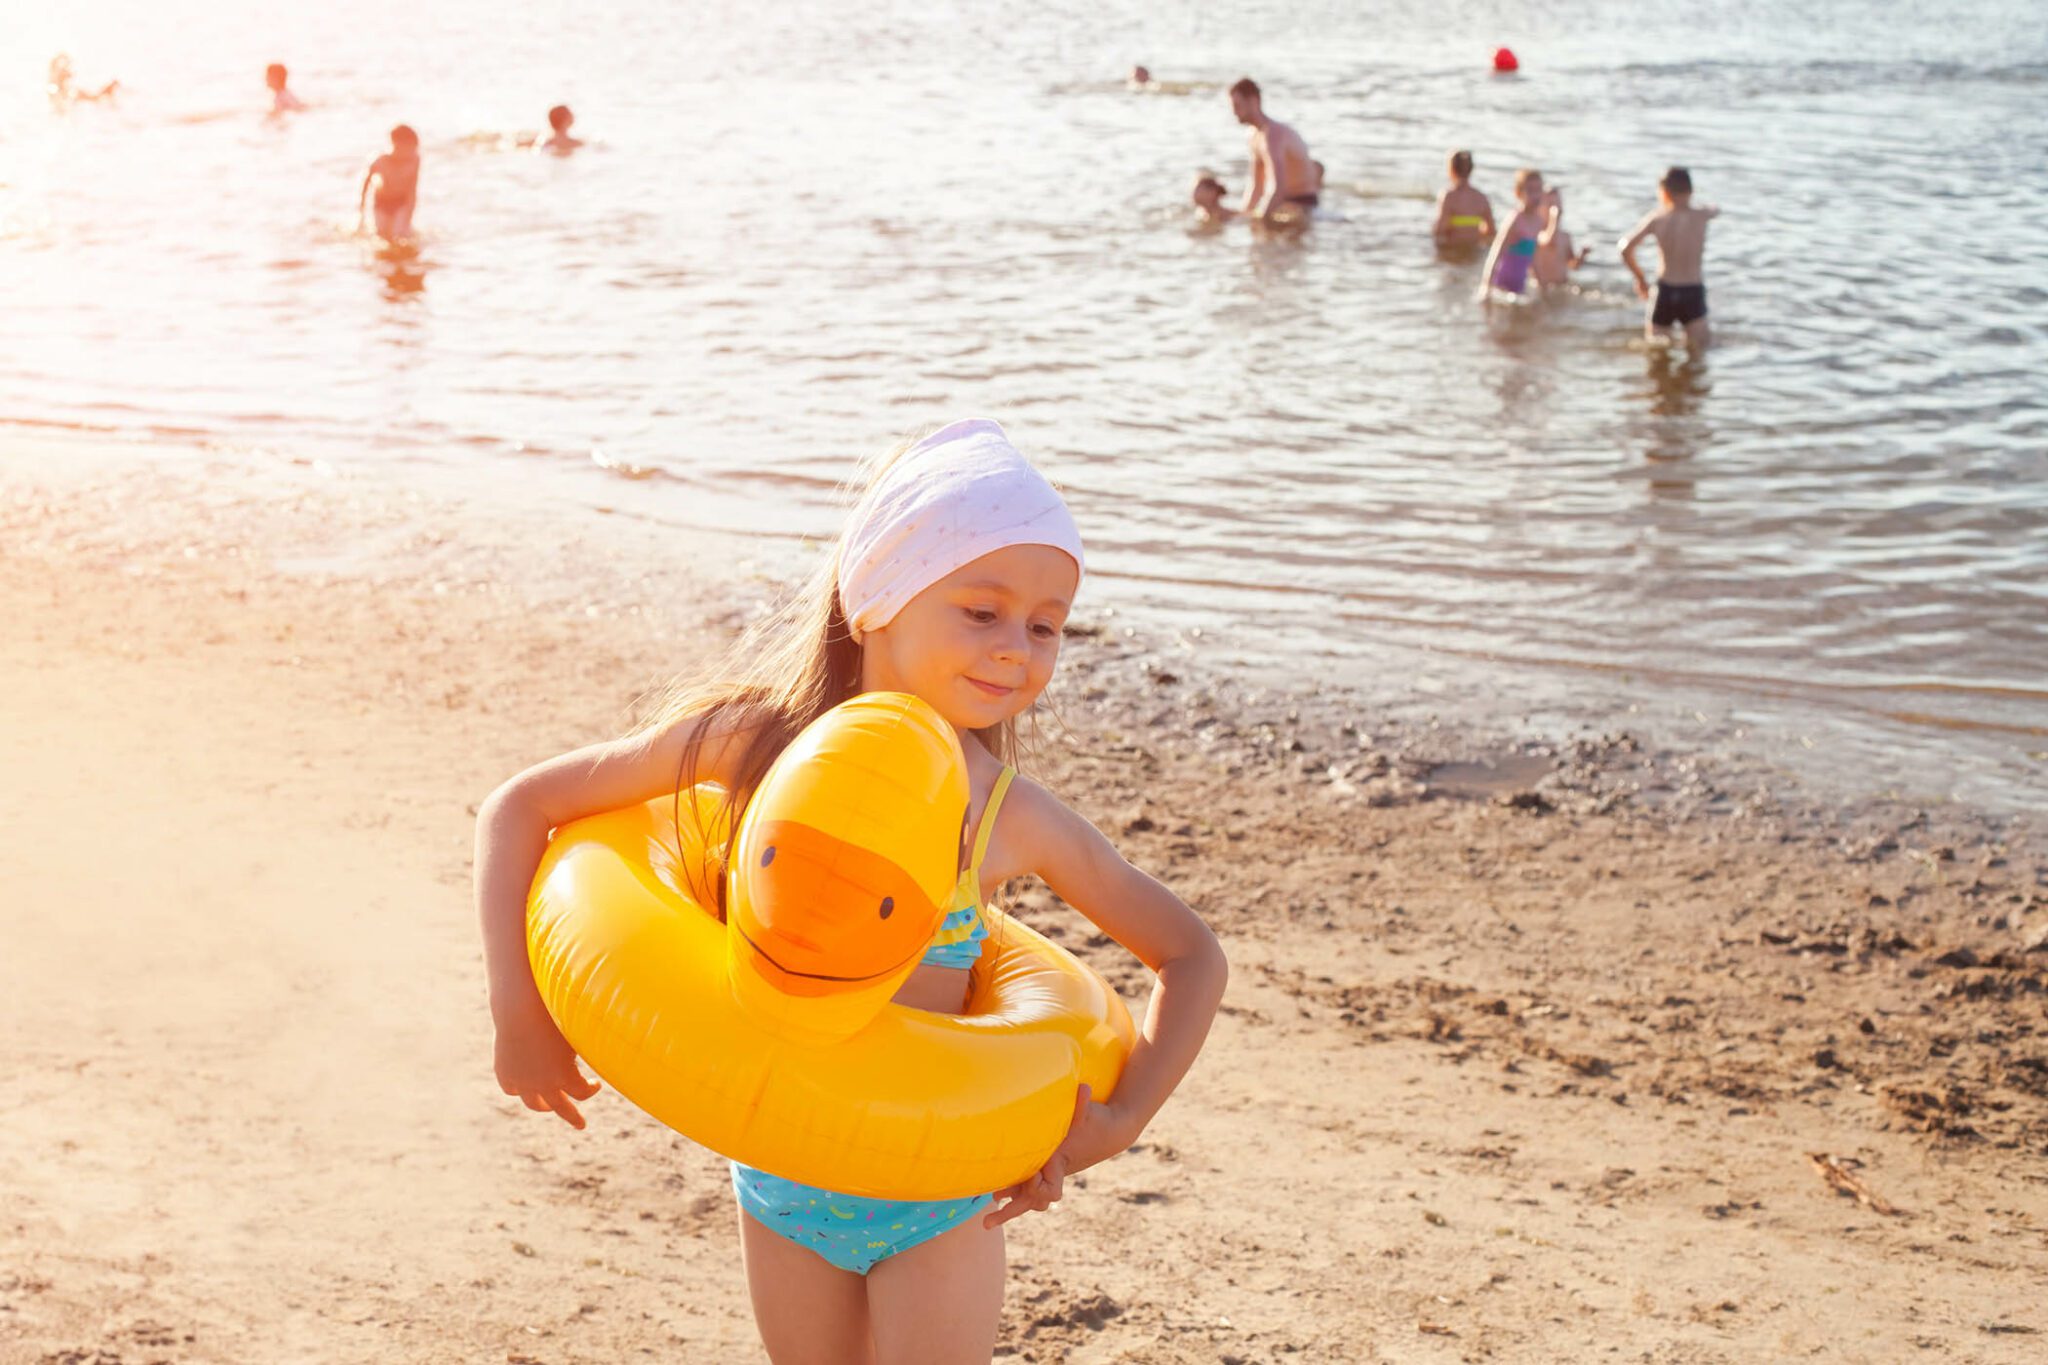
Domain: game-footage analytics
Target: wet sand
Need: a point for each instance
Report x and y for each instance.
(1528, 1055)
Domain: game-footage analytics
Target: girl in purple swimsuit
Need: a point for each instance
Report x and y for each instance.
(1514, 250)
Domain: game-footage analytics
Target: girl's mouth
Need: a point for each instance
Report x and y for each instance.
(990, 689)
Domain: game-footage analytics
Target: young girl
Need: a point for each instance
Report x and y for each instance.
(1507, 265)
(1464, 216)
(952, 581)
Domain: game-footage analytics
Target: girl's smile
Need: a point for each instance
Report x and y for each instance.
(981, 643)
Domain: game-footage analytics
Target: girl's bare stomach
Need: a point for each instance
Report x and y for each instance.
(941, 990)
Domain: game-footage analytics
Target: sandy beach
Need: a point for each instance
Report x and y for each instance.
(1521, 1066)
(1616, 767)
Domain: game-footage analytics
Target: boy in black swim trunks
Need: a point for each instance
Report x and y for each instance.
(1681, 233)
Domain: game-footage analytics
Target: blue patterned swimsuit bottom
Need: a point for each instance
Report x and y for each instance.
(851, 1232)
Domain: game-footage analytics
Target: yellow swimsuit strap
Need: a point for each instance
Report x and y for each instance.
(988, 825)
(1467, 220)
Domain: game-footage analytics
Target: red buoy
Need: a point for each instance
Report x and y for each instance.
(1504, 60)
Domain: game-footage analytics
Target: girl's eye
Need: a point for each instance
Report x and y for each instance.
(980, 615)
(1045, 632)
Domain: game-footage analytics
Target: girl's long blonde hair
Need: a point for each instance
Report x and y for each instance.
(785, 670)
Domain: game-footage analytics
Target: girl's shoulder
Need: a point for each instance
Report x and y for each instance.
(1030, 817)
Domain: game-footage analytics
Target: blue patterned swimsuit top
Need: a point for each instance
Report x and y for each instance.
(958, 941)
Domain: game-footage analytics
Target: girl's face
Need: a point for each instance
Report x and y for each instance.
(980, 644)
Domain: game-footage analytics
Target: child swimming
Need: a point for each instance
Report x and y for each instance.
(63, 93)
(1464, 217)
(396, 175)
(952, 580)
(1555, 260)
(1208, 200)
(282, 101)
(1681, 233)
(560, 120)
(1507, 265)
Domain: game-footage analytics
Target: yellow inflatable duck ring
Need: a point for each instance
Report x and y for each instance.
(771, 1038)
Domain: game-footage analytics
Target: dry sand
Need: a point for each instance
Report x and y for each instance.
(1533, 1073)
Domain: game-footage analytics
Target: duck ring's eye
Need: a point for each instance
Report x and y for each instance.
(888, 906)
(768, 855)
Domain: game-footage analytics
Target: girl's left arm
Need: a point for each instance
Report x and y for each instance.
(1086, 871)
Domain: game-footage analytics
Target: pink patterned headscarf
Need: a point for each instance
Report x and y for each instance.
(960, 493)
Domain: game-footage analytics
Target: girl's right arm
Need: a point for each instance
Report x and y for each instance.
(1646, 228)
(1500, 244)
(534, 1061)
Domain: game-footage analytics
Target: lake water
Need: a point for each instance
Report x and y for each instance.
(805, 229)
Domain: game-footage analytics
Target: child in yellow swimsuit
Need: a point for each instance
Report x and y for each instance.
(1464, 218)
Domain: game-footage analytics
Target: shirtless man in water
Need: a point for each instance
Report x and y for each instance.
(1284, 179)
(396, 175)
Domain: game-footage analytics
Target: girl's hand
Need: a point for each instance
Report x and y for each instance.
(1097, 1135)
(536, 1063)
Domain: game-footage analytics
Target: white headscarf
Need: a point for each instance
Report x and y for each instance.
(960, 493)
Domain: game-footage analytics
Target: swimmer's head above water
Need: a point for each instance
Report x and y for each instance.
(559, 118)
(1140, 76)
(1529, 187)
(1676, 186)
(1461, 166)
(1208, 192)
(274, 75)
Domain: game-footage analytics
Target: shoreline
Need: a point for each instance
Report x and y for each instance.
(1514, 1058)
(317, 522)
